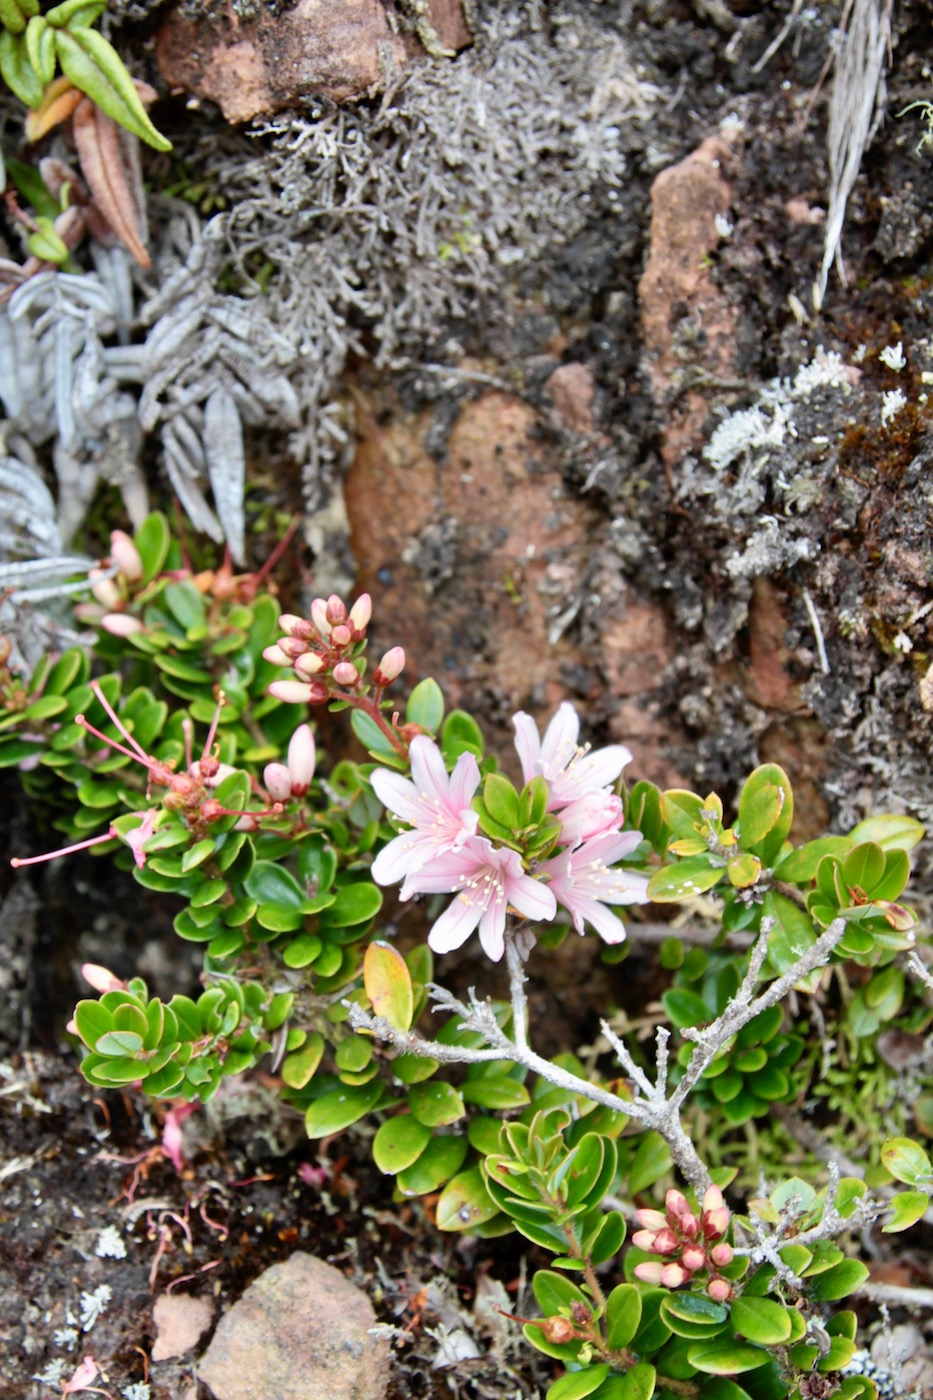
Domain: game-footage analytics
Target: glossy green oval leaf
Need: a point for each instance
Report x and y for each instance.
(760, 807)
(839, 1281)
(435, 1103)
(93, 1021)
(889, 831)
(388, 985)
(441, 1159)
(623, 1315)
(907, 1162)
(426, 706)
(798, 867)
(299, 1068)
(341, 1108)
(119, 1043)
(652, 1158)
(354, 904)
(495, 1092)
(769, 775)
(399, 1142)
(639, 1382)
(464, 1202)
(684, 880)
(761, 1320)
(576, 1385)
(907, 1207)
(726, 1358)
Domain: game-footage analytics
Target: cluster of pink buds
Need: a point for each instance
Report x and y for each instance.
(292, 779)
(111, 585)
(690, 1243)
(323, 651)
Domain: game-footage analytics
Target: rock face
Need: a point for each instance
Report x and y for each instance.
(258, 65)
(299, 1330)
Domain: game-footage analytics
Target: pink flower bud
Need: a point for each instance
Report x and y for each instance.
(341, 635)
(649, 1272)
(345, 673)
(693, 1257)
(277, 656)
(289, 622)
(721, 1255)
(125, 555)
(715, 1222)
(644, 1239)
(713, 1200)
(277, 781)
(292, 692)
(319, 617)
(361, 612)
(390, 667)
(677, 1203)
(104, 589)
(719, 1289)
(336, 609)
(121, 624)
(101, 978)
(651, 1219)
(666, 1242)
(293, 647)
(301, 760)
(309, 663)
(673, 1275)
(689, 1225)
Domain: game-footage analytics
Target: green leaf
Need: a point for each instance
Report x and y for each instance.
(354, 1053)
(439, 1161)
(721, 1389)
(768, 847)
(685, 1008)
(693, 1314)
(759, 809)
(863, 867)
(299, 1068)
(270, 884)
(684, 880)
(426, 706)
(652, 1158)
(399, 1143)
(94, 66)
(907, 1207)
(152, 539)
(839, 1281)
(575, 1385)
(555, 1293)
(639, 1382)
(435, 1103)
(623, 1315)
(17, 71)
(92, 1021)
(354, 904)
(465, 1203)
(460, 734)
(388, 985)
(495, 1092)
(792, 934)
(725, 1358)
(907, 1162)
(119, 1043)
(502, 802)
(340, 1108)
(761, 1320)
(889, 831)
(799, 867)
(374, 740)
(681, 811)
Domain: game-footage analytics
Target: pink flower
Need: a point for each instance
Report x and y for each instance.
(486, 881)
(571, 771)
(136, 838)
(584, 883)
(596, 815)
(436, 805)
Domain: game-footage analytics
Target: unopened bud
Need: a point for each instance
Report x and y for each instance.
(693, 1257)
(319, 617)
(103, 587)
(293, 692)
(301, 760)
(558, 1330)
(721, 1254)
(293, 647)
(125, 555)
(644, 1239)
(719, 1289)
(649, 1272)
(101, 978)
(390, 667)
(309, 664)
(665, 1242)
(689, 1225)
(345, 673)
(289, 622)
(361, 612)
(651, 1219)
(677, 1203)
(121, 624)
(341, 636)
(715, 1222)
(713, 1200)
(276, 655)
(336, 609)
(673, 1275)
(277, 781)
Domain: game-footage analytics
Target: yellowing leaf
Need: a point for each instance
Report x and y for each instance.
(388, 985)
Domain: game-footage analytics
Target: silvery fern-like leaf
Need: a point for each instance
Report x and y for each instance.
(182, 474)
(226, 466)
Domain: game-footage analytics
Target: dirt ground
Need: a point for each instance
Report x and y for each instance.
(529, 502)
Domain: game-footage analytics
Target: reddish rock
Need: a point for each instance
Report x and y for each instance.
(301, 1329)
(253, 67)
(572, 390)
(688, 326)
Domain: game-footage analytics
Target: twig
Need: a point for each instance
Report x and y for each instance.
(896, 1294)
(817, 631)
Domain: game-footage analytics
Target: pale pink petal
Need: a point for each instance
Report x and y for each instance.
(532, 899)
(398, 795)
(527, 744)
(455, 925)
(464, 781)
(427, 770)
(403, 855)
(594, 770)
(492, 931)
(610, 928)
(598, 814)
(560, 740)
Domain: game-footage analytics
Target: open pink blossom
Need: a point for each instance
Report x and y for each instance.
(436, 805)
(486, 881)
(583, 881)
(571, 771)
(596, 815)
